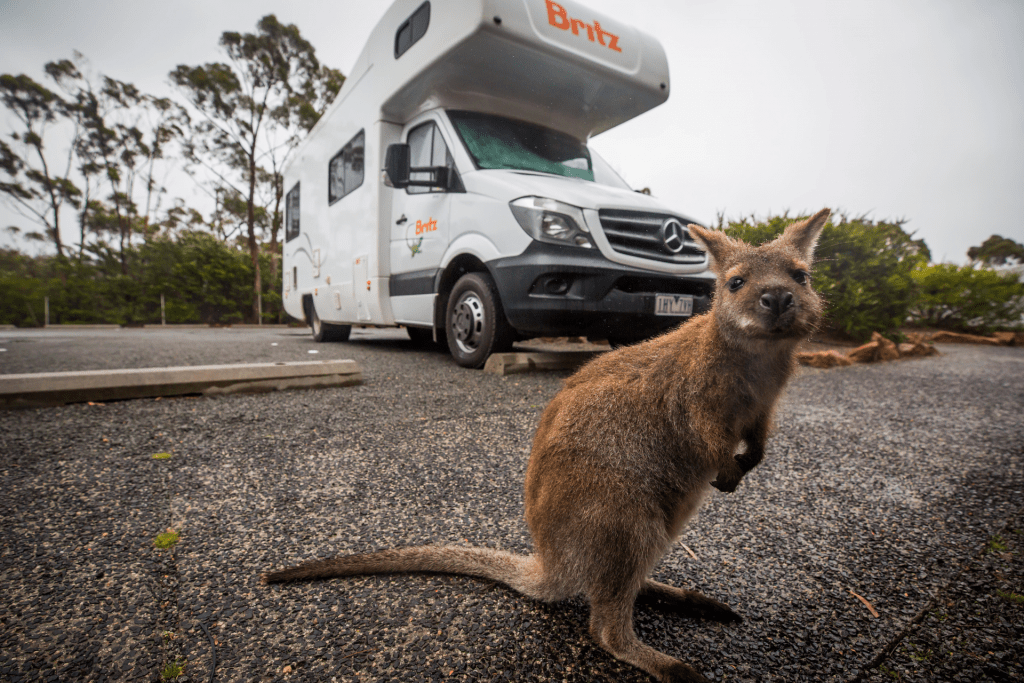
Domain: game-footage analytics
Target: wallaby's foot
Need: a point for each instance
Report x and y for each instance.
(689, 603)
(681, 672)
(611, 625)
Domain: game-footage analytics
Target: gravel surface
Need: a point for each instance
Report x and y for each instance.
(900, 482)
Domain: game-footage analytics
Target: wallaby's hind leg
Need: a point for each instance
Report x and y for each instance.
(611, 625)
(688, 603)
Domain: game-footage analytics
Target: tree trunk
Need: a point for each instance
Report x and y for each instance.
(54, 203)
(254, 253)
(275, 227)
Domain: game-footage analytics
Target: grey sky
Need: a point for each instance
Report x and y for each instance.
(909, 108)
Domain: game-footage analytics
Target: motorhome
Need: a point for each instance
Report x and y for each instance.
(450, 189)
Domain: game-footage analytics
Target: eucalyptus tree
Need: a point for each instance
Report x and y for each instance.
(34, 182)
(252, 111)
(124, 138)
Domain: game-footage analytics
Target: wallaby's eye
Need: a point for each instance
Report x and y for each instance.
(736, 283)
(801, 276)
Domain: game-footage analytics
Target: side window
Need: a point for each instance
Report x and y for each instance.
(345, 172)
(291, 214)
(427, 148)
(412, 29)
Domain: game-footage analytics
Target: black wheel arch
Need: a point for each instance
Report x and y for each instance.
(446, 279)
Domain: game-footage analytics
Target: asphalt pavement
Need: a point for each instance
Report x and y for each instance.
(901, 483)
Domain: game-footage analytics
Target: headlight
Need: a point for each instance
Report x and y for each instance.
(547, 220)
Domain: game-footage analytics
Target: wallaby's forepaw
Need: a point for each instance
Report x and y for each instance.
(726, 485)
(748, 461)
(682, 673)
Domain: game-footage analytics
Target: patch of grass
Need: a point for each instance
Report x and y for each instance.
(166, 540)
(172, 670)
(940, 616)
(162, 456)
(1012, 597)
(921, 655)
(888, 672)
(996, 544)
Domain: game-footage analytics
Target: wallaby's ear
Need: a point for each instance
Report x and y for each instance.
(716, 242)
(804, 234)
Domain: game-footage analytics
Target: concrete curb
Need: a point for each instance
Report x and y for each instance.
(83, 326)
(58, 388)
(513, 363)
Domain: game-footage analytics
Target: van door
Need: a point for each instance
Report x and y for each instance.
(419, 228)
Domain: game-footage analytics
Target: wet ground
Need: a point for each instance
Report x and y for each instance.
(901, 483)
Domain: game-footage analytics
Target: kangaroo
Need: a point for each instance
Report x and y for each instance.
(633, 443)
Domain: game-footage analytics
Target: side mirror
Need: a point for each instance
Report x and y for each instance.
(439, 176)
(398, 167)
(397, 160)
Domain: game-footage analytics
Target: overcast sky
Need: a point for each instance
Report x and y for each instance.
(907, 109)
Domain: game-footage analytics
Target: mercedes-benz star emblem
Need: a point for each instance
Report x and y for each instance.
(672, 233)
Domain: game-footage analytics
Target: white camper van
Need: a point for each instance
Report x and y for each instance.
(450, 189)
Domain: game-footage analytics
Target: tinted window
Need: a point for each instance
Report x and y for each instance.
(345, 172)
(412, 29)
(291, 214)
(427, 148)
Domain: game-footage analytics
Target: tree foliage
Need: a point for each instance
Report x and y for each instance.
(251, 112)
(997, 251)
(32, 182)
(966, 298)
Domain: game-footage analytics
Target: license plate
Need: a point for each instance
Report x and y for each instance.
(673, 304)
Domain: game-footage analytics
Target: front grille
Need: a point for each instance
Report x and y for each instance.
(638, 233)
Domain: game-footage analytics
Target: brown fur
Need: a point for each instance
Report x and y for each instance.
(627, 451)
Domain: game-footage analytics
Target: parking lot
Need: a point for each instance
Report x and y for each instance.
(901, 483)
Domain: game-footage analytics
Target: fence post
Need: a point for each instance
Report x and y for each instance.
(163, 315)
(46, 311)
(259, 304)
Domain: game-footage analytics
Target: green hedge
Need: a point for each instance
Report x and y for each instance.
(967, 299)
(203, 280)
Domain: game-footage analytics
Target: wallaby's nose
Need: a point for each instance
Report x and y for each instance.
(777, 302)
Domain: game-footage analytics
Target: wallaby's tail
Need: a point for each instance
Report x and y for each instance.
(521, 572)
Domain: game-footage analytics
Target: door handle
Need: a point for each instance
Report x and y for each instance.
(401, 220)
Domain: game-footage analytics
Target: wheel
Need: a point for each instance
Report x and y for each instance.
(327, 332)
(475, 322)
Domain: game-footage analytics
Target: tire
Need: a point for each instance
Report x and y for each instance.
(327, 332)
(475, 322)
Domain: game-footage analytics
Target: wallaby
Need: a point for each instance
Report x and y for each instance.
(629, 448)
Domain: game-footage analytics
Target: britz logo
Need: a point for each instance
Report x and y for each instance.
(429, 226)
(560, 19)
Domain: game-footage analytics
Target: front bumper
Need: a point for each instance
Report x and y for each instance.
(551, 290)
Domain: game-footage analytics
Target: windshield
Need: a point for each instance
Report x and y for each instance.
(497, 142)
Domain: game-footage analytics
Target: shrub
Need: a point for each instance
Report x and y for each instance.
(967, 299)
(203, 280)
(862, 269)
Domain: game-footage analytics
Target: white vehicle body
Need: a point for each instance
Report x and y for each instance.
(361, 252)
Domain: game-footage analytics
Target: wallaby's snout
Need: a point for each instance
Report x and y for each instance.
(777, 301)
(779, 310)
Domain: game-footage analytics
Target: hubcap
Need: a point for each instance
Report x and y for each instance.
(468, 322)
